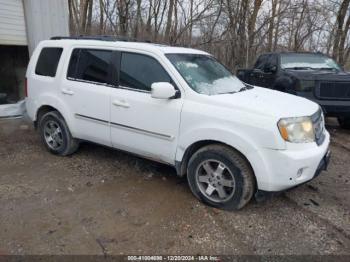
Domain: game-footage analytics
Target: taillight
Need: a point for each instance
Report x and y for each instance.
(26, 87)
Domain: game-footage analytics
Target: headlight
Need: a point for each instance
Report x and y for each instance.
(297, 129)
(305, 85)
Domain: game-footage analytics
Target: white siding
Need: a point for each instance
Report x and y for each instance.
(45, 18)
(12, 23)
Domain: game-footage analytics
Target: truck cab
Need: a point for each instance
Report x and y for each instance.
(314, 76)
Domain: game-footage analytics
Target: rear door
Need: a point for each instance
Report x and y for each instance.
(86, 90)
(139, 123)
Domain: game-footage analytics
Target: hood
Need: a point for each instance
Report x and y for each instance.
(323, 75)
(269, 102)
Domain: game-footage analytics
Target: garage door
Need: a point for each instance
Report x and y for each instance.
(12, 25)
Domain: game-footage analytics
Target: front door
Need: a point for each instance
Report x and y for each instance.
(139, 123)
(270, 71)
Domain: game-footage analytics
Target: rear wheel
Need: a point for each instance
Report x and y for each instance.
(221, 177)
(55, 134)
(344, 122)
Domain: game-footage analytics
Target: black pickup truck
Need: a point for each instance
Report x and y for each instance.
(311, 75)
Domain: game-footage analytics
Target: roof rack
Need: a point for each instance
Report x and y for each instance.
(98, 37)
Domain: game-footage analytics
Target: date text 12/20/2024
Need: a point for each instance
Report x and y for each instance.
(173, 258)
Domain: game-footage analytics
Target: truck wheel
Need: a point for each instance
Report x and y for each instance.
(344, 122)
(220, 177)
(55, 134)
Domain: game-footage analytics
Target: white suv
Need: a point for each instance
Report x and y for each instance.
(178, 106)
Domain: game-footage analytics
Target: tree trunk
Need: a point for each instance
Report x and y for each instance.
(251, 29)
(277, 27)
(169, 21)
(101, 27)
(138, 22)
(123, 11)
(343, 37)
(271, 25)
(89, 19)
(83, 15)
(149, 20)
(339, 31)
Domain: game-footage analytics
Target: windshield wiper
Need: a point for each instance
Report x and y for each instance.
(246, 87)
(299, 67)
(327, 68)
(312, 68)
(232, 92)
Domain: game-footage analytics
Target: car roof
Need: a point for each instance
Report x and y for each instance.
(293, 52)
(152, 47)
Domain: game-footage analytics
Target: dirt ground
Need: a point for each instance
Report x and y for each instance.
(102, 201)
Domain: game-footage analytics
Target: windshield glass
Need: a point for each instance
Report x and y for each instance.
(205, 75)
(308, 61)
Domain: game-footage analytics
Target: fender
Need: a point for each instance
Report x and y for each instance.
(49, 99)
(285, 83)
(240, 142)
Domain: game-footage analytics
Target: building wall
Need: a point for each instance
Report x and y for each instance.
(13, 65)
(44, 19)
(12, 23)
(23, 24)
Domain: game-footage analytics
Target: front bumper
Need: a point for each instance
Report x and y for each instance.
(262, 195)
(288, 168)
(332, 108)
(323, 165)
(336, 110)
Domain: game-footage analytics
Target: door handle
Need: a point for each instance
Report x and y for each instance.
(67, 91)
(120, 103)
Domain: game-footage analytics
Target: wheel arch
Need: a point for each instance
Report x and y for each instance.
(48, 102)
(47, 107)
(251, 148)
(181, 166)
(42, 110)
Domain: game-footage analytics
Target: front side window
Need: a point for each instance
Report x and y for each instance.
(308, 61)
(139, 71)
(205, 75)
(90, 65)
(48, 61)
(261, 62)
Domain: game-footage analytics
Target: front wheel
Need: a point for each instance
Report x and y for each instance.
(344, 122)
(221, 177)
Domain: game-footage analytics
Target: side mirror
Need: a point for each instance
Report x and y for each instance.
(271, 69)
(162, 90)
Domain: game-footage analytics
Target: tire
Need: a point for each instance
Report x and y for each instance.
(231, 190)
(344, 122)
(55, 134)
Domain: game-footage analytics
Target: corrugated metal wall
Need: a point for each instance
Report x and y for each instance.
(12, 23)
(45, 18)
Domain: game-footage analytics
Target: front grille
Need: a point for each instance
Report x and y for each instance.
(319, 128)
(334, 90)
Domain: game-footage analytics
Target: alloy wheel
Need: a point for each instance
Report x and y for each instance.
(215, 180)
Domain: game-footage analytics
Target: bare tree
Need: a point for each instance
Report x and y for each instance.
(341, 32)
(170, 19)
(235, 31)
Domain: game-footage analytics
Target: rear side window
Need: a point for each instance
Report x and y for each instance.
(90, 65)
(140, 72)
(48, 61)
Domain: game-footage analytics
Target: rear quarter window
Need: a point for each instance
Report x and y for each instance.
(48, 61)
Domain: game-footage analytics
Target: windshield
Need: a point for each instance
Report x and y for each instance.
(308, 61)
(205, 75)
